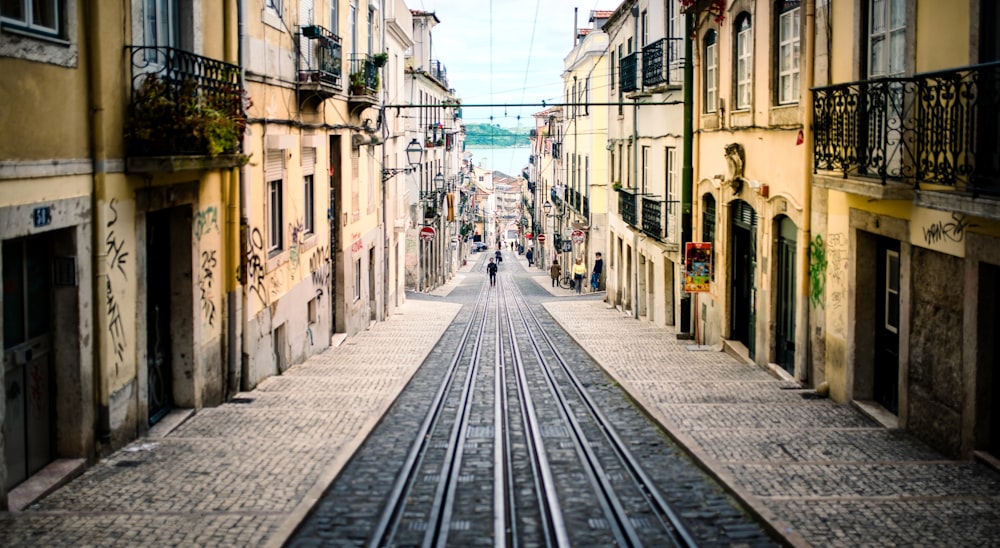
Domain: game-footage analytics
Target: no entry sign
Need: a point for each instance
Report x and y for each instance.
(427, 233)
(541, 238)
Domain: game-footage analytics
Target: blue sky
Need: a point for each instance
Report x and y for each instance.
(505, 51)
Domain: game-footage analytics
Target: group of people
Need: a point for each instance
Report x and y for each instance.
(579, 272)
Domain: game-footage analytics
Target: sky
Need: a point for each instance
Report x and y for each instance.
(506, 52)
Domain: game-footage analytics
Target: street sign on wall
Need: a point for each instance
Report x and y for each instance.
(541, 238)
(427, 233)
(577, 236)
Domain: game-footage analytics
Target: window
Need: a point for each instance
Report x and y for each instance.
(644, 24)
(354, 27)
(711, 72)
(40, 16)
(357, 279)
(586, 96)
(645, 167)
(788, 52)
(334, 17)
(887, 38)
(744, 61)
(309, 205)
(275, 220)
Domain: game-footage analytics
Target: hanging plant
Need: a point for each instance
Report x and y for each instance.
(379, 59)
(703, 11)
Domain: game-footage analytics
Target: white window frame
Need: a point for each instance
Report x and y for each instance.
(335, 17)
(275, 216)
(712, 76)
(28, 23)
(309, 203)
(788, 56)
(887, 38)
(744, 67)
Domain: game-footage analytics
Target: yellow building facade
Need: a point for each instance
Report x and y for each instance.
(119, 193)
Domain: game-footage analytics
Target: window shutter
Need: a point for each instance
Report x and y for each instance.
(274, 165)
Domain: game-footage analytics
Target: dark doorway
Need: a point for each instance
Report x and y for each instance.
(744, 264)
(337, 222)
(785, 328)
(886, 366)
(988, 359)
(158, 318)
(29, 427)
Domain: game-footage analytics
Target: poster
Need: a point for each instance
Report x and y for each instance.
(697, 267)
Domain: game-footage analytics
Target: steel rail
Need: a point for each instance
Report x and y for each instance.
(385, 529)
(663, 510)
(553, 522)
(504, 518)
(618, 519)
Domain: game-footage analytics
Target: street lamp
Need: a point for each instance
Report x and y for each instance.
(439, 181)
(413, 154)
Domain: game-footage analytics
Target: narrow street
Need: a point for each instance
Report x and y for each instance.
(309, 457)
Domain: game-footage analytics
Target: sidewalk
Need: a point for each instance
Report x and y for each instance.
(819, 472)
(244, 473)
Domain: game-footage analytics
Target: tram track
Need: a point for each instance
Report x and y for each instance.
(546, 434)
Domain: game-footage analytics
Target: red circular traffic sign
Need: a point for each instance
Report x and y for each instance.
(427, 233)
(577, 236)
(541, 238)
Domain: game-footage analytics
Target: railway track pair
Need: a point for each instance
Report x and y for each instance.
(514, 451)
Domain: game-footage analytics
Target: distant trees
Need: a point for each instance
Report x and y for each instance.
(488, 135)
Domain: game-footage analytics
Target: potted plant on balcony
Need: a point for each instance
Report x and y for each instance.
(379, 59)
(358, 82)
(616, 186)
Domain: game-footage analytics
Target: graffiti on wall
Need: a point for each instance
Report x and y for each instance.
(836, 256)
(298, 231)
(205, 220)
(950, 230)
(208, 264)
(817, 271)
(117, 257)
(319, 266)
(255, 267)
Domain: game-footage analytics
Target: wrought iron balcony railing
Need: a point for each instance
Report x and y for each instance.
(364, 76)
(321, 56)
(663, 63)
(941, 128)
(627, 207)
(629, 72)
(652, 216)
(183, 104)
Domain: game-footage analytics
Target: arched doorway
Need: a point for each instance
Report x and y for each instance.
(743, 269)
(785, 294)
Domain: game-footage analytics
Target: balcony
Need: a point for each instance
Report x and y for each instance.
(320, 63)
(903, 134)
(439, 73)
(628, 73)
(186, 112)
(627, 207)
(364, 83)
(662, 63)
(652, 217)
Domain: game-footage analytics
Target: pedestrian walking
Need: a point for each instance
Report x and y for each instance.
(499, 256)
(579, 273)
(555, 270)
(529, 255)
(595, 275)
(491, 269)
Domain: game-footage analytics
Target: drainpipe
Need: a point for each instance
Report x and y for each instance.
(687, 169)
(233, 18)
(240, 380)
(99, 153)
(807, 143)
(635, 175)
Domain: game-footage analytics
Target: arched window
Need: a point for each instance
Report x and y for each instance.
(711, 75)
(743, 61)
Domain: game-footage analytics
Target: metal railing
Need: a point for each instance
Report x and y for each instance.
(183, 104)
(627, 207)
(652, 216)
(439, 72)
(364, 75)
(663, 62)
(941, 128)
(628, 78)
(321, 56)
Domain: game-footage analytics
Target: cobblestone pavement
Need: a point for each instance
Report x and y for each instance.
(245, 473)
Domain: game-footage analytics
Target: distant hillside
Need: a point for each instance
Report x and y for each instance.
(486, 135)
